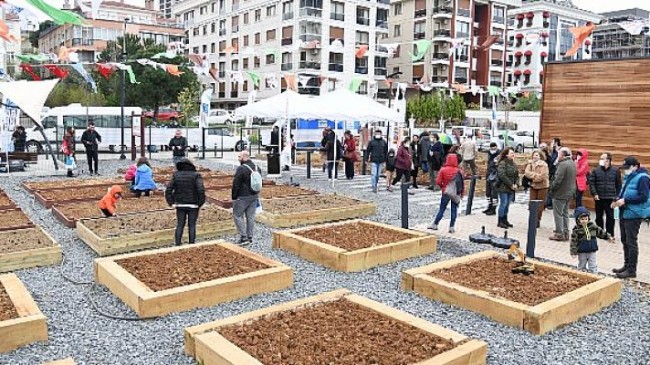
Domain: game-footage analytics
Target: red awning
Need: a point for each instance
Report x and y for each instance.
(520, 16)
(543, 34)
(588, 42)
(546, 14)
(530, 15)
(527, 72)
(519, 36)
(543, 54)
(517, 72)
(529, 53)
(518, 54)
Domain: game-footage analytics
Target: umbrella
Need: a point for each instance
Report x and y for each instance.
(445, 139)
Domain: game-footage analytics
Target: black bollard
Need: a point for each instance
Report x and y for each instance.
(470, 195)
(309, 164)
(532, 227)
(405, 204)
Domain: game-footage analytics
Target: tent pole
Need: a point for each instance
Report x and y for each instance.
(49, 148)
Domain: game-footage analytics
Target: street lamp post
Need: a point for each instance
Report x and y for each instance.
(123, 91)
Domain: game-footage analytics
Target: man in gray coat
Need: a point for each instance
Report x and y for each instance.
(562, 190)
(425, 144)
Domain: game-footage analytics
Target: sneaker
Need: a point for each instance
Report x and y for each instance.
(626, 274)
(374, 191)
(250, 239)
(452, 230)
(243, 241)
(433, 227)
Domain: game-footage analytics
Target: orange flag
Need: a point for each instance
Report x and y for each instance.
(460, 88)
(290, 79)
(231, 49)
(64, 53)
(173, 70)
(4, 33)
(580, 34)
(214, 73)
(489, 41)
(361, 51)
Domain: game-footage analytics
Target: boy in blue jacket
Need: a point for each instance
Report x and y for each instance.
(583, 240)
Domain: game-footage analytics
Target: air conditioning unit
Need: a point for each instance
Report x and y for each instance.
(315, 51)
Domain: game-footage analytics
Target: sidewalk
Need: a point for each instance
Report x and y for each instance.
(610, 255)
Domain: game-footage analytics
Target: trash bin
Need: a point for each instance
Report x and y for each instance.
(273, 163)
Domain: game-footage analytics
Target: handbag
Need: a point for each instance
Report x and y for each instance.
(451, 190)
(69, 163)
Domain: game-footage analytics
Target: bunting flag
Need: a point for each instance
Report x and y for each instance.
(354, 85)
(361, 52)
(93, 8)
(236, 77)
(129, 71)
(167, 54)
(196, 59)
(66, 54)
(337, 44)
(422, 47)
(489, 41)
(455, 44)
(28, 57)
(275, 52)
(461, 89)
(57, 71)
(634, 27)
(303, 80)
(28, 69)
(391, 48)
(231, 49)
(311, 44)
(526, 94)
(290, 79)
(214, 73)
(581, 34)
(86, 76)
(174, 71)
(5, 34)
(255, 78)
(105, 69)
(248, 51)
(493, 90)
(58, 16)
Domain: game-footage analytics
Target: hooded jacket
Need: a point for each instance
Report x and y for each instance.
(582, 169)
(130, 173)
(144, 178)
(425, 145)
(448, 172)
(109, 201)
(186, 186)
(636, 193)
(403, 159)
(563, 186)
(583, 238)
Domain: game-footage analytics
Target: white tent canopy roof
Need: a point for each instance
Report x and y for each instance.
(30, 96)
(347, 105)
(287, 104)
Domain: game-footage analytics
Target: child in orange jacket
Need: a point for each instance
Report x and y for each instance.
(108, 204)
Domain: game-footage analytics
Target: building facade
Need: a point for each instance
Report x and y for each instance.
(165, 7)
(466, 23)
(541, 33)
(613, 41)
(113, 20)
(315, 40)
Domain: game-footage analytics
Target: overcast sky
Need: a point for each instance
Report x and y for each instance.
(599, 6)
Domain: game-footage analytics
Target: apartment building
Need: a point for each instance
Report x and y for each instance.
(8, 61)
(625, 34)
(114, 18)
(315, 40)
(541, 33)
(165, 7)
(466, 23)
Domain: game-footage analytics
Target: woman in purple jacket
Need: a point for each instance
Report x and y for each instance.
(403, 163)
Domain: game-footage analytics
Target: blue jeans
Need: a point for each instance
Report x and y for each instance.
(375, 170)
(504, 204)
(441, 211)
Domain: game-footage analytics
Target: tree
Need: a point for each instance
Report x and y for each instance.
(530, 103)
(71, 91)
(454, 109)
(425, 109)
(188, 98)
(34, 35)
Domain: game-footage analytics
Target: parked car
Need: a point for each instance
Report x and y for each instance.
(164, 114)
(222, 138)
(220, 116)
(524, 139)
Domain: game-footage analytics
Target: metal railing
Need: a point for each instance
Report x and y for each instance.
(338, 67)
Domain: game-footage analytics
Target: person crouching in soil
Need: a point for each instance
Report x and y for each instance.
(108, 204)
(583, 240)
(186, 193)
(144, 182)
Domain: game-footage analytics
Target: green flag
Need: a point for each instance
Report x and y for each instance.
(422, 47)
(28, 57)
(275, 52)
(57, 15)
(354, 85)
(493, 91)
(255, 78)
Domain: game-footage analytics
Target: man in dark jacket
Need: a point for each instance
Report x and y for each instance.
(91, 139)
(635, 205)
(20, 139)
(416, 153)
(377, 153)
(186, 193)
(604, 185)
(562, 190)
(435, 155)
(178, 145)
(425, 145)
(331, 145)
(490, 190)
(244, 198)
(275, 139)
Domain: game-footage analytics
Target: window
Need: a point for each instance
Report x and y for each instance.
(213, 7)
(258, 15)
(337, 11)
(256, 62)
(336, 62)
(195, 31)
(361, 38)
(245, 41)
(270, 35)
(270, 59)
(222, 46)
(363, 16)
(270, 11)
(205, 48)
(419, 29)
(205, 30)
(203, 9)
(287, 10)
(257, 38)
(361, 65)
(382, 18)
(397, 9)
(462, 29)
(235, 65)
(213, 48)
(245, 18)
(245, 86)
(397, 30)
(245, 63)
(213, 28)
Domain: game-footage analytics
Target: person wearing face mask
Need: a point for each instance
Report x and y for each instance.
(537, 172)
(377, 152)
(490, 190)
(507, 181)
(604, 186)
(562, 189)
(552, 161)
(635, 205)
(582, 170)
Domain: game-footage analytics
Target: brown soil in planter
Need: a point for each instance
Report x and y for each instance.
(338, 332)
(161, 170)
(13, 218)
(493, 275)
(5, 201)
(7, 308)
(189, 266)
(307, 203)
(72, 183)
(150, 222)
(354, 236)
(76, 193)
(90, 209)
(268, 192)
(23, 240)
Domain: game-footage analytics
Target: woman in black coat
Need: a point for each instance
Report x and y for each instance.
(20, 139)
(605, 185)
(415, 154)
(186, 193)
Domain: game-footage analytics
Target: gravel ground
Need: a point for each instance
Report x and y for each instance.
(619, 334)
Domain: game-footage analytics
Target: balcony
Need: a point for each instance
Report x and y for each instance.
(222, 32)
(462, 35)
(386, 2)
(496, 83)
(380, 71)
(337, 67)
(286, 67)
(442, 12)
(310, 37)
(222, 94)
(497, 63)
(311, 12)
(222, 74)
(82, 42)
(286, 41)
(287, 16)
(440, 56)
(337, 16)
(309, 65)
(442, 33)
(381, 49)
(361, 70)
(439, 79)
(420, 35)
(234, 94)
(463, 58)
(464, 12)
(498, 20)
(460, 80)
(383, 24)
(363, 21)
(420, 13)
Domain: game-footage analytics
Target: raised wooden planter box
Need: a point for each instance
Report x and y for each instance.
(71, 221)
(30, 326)
(207, 346)
(31, 186)
(283, 220)
(10, 222)
(156, 239)
(44, 256)
(148, 303)
(41, 196)
(6, 202)
(538, 319)
(68, 361)
(266, 193)
(341, 259)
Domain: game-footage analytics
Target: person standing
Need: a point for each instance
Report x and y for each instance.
(68, 149)
(552, 162)
(178, 145)
(186, 193)
(403, 161)
(143, 182)
(605, 185)
(584, 242)
(349, 154)
(415, 155)
(635, 205)
(436, 155)
(275, 139)
(19, 137)
(332, 149)
(490, 190)
(425, 145)
(582, 170)
(562, 190)
(91, 140)
(450, 174)
(468, 152)
(377, 153)
(245, 199)
(537, 172)
(507, 181)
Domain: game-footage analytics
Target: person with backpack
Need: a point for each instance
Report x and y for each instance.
(376, 157)
(246, 186)
(435, 155)
(186, 193)
(506, 186)
(450, 181)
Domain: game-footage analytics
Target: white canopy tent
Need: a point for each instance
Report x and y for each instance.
(288, 104)
(345, 105)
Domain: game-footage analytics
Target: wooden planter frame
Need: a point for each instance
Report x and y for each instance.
(71, 222)
(148, 303)
(139, 241)
(11, 205)
(538, 319)
(44, 256)
(358, 260)
(316, 216)
(48, 203)
(30, 326)
(68, 361)
(207, 346)
(227, 204)
(12, 228)
(27, 185)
